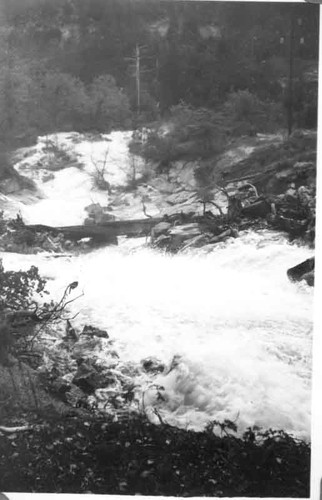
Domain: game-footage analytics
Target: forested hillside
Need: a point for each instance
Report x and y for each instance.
(110, 64)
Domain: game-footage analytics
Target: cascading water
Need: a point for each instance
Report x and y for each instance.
(240, 331)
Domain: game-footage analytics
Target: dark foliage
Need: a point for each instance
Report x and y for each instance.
(18, 288)
(95, 455)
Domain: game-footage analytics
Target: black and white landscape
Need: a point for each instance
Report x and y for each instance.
(157, 233)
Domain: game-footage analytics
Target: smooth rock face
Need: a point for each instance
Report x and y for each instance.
(303, 271)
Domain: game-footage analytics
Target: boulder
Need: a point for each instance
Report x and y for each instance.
(303, 271)
(152, 365)
(60, 386)
(161, 228)
(92, 331)
(309, 278)
(87, 347)
(87, 378)
(74, 395)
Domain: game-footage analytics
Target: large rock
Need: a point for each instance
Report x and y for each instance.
(309, 278)
(152, 365)
(161, 228)
(87, 378)
(303, 271)
(92, 331)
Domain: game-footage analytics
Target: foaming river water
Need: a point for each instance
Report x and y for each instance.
(239, 330)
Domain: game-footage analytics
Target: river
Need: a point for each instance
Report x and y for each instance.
(240, 331)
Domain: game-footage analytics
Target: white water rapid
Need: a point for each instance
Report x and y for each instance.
(241, 330)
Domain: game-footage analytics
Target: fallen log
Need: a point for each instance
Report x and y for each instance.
(98, 234)
(223, 235)
(105, 231)
(13, 430)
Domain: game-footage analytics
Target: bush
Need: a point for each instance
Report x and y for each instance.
(18, 288)
(195, 133)
(247, 114)
(58, 156)
(201, 125)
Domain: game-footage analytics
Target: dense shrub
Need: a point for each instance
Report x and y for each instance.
(246, 114)
(18, 288)
(201, 125)
(108, 106)
(194, 133)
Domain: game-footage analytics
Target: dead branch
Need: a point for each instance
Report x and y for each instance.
(11, 430)
(223, 190)
(144, 211)
(217, 206)
(251, 186)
